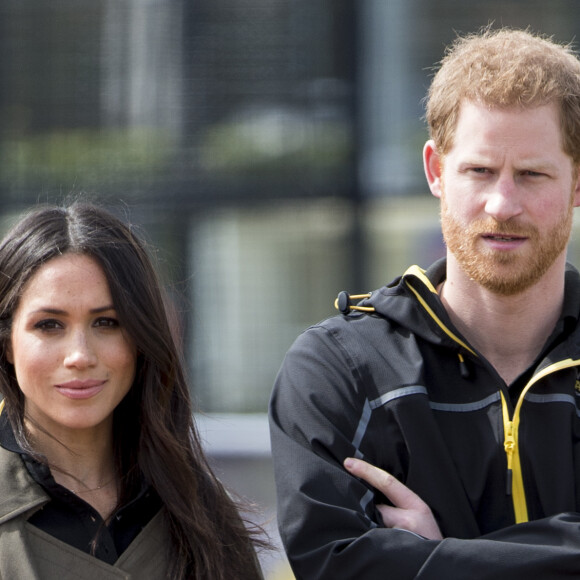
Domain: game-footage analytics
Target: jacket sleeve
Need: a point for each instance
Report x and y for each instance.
(328, 522)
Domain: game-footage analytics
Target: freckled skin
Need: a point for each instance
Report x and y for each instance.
(66, 329)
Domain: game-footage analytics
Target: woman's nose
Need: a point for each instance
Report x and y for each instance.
(80, 352)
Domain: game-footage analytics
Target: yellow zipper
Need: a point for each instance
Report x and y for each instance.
(511, 446)
(515, 481)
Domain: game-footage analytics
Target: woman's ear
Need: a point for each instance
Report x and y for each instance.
(9, 356)
(433, 166)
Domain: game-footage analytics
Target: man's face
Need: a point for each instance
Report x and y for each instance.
(507, 191)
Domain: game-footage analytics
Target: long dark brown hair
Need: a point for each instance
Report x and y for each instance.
(154, 433)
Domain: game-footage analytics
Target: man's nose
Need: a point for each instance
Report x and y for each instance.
(503, 202)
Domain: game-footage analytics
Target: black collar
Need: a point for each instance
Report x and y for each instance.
(7, 438)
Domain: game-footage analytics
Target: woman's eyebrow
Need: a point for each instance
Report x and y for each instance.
(59, 311)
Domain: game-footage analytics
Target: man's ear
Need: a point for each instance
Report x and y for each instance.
(577, 187)
(433, 165)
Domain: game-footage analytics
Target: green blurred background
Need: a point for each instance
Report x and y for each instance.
(270, 150)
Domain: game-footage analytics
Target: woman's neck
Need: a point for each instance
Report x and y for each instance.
(81, 461)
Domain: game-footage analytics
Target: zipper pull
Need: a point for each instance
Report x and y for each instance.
(509, 445)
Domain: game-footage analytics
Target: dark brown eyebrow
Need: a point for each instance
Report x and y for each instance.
(59, 312)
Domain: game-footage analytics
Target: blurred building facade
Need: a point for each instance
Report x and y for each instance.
(270, 148)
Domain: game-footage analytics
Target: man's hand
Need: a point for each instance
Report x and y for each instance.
(410, 512)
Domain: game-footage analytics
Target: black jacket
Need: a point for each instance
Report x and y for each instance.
(400, 388)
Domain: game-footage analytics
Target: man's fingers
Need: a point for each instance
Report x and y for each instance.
(399, 494)
(391, 516)
(410, 512)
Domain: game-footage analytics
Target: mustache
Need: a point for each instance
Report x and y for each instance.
(489, 225)
(509, 227)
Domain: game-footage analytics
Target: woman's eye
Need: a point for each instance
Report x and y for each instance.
(48, 324)
(107, 322)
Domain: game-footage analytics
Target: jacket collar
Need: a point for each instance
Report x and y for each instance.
(19, 493)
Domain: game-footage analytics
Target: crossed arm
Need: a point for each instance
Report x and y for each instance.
(408, 512)
(327, 519)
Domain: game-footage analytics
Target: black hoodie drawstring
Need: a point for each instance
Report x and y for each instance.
(344, 305)
(463, 367)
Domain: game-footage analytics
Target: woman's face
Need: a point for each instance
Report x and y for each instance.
(73, 362)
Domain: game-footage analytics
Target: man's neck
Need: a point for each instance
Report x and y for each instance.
(509, 331)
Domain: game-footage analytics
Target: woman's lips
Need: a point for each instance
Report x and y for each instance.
(80, 389)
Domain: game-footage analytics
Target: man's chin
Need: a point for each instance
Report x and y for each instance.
(507, 276)
(507, 287)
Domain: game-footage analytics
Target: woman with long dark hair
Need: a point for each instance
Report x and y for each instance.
(102, 474)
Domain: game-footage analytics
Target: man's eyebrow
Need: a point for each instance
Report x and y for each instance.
(539, 164)
(477, 160)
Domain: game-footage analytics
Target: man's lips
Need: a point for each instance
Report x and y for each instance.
(80, 389)
(504, 237)
(503, 242)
